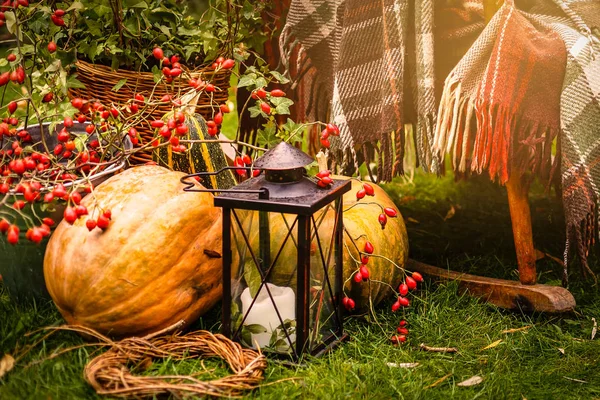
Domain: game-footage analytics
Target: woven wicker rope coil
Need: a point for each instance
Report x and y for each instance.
(99, 80)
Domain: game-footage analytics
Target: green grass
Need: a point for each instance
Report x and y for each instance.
(478, 239)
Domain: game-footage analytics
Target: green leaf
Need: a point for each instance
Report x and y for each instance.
(157, 73)
(77, 5)
(165, 30)
(185, 31)
(55, 66)
(80, 142)
(267, 136)
(282, 104)
(261, 82)
(114, 63)
(140, 4)
(254, 111)
(37, 25)
(255, 328)
(119, 85)
(11, 22)
(280, 78)
(247, 80)
(246, 337)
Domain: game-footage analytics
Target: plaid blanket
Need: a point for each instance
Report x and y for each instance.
(580, 123)
(500, 106)
(369, 57)
(529, 76)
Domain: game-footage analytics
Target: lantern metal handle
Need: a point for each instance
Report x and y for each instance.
(263, 193)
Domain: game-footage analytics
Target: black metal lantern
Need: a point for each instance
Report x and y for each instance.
(282, 257)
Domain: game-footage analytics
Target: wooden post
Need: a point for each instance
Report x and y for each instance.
(520, 216)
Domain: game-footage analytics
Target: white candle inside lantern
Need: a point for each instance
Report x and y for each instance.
(263, 313)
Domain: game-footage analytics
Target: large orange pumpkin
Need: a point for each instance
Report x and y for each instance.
(361, 225)
(150, 268)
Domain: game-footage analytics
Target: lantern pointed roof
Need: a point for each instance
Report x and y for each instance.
(283, 156)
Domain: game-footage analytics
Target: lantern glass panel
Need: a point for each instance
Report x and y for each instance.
(264, 286)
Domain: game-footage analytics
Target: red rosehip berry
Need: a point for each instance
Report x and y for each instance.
(103, 222)
(75, 197)
(402, 331)
(404, 302)
(261, 93)
(360, 194)
(358, 277)
(90, 224)
(277, 93)
(395, 306)
(369, 189)
(12, 235)
(77, 103)
(48, 221)
(70, 215)
(364, 271)
(348, 303)
(81, 210)
(58, 21)
(158, 53)
(228, 64)
(369, 248)
(157, 123)
(218, 118)
(417, 277)
(4, 225)
(403, 289)
(51, 47)
(390, 212)
(411, 283)
(265, 108)
(382, 220)
(19, 205)
(36, 235)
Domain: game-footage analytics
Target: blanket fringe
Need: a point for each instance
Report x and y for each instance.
(481, 136)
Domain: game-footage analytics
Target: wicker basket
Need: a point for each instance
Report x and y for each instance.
(99, 81)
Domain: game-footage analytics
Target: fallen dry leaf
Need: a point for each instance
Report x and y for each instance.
(414, 221)
(562, 351)
(423, 346)
(442, 379)
(450, 213)
(6, 364)
(492, 345)
(513, 330)
(472, 381)
(574, 380)
(594, 329)
(402, 365)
